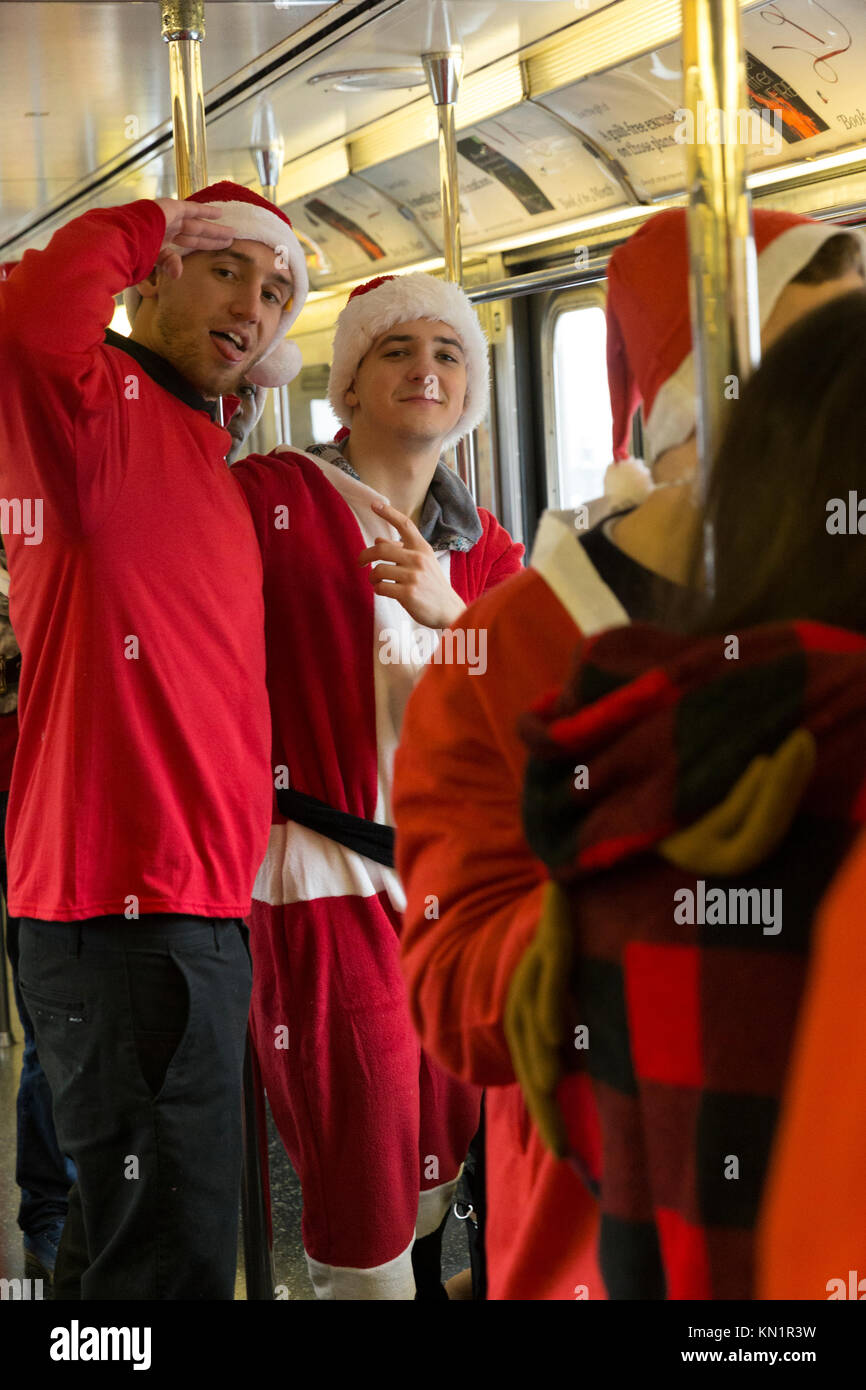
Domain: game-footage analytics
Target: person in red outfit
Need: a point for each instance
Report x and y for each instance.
(725, 781)
(459, 769)
(372, 547)
(140, 796)
(812, 1232)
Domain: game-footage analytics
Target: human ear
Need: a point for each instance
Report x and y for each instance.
(147, 288)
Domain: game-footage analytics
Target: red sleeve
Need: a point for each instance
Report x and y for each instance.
(473, 886)
(503, 557)
(54, 309)
(813, 1219)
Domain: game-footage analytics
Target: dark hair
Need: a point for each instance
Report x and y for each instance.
(837, 256)
(796, 441)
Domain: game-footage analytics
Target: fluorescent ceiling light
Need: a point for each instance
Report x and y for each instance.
(766, 178)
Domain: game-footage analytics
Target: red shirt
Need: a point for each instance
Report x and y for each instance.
(142, 778)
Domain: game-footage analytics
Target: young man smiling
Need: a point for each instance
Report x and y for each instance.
(139, 804)
(364, 540)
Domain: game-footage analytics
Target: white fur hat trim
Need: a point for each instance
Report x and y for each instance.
(400, 300)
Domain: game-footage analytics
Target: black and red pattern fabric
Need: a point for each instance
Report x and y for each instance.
(689, 1023)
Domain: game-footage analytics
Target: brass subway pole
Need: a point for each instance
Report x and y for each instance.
(183, 30)
(267, 151)
(444, 71)
(723, 286)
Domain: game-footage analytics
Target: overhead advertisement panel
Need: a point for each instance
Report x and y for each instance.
(804, 77)
(520, 171)
(355, 229)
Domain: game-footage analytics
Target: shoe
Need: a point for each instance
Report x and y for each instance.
(40, 1252)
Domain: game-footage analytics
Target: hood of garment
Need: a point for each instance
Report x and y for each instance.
(654, 732)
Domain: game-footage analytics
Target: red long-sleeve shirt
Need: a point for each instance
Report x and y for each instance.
(141, 780)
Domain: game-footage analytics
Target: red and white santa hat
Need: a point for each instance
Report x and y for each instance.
(253, 218)
(649, 335)
(388, 300)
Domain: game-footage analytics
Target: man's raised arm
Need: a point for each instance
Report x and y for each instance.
(57, 303)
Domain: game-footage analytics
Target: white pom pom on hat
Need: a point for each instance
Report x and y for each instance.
(382, 303)
(253, 218)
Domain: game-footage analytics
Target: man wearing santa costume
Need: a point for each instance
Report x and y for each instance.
(460, 767)
(372, 547)
(140, 797)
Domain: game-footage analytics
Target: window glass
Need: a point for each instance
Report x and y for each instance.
(323, 420)
(583, 418)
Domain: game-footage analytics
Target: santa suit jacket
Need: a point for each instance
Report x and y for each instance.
(457, 803)
(331, 642)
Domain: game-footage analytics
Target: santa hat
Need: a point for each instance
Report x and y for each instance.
(253, 218)
(388, 300)
(649, 336)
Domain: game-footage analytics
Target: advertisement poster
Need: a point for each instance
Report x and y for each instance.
(520, 170)
(804, 80)
(355, 230)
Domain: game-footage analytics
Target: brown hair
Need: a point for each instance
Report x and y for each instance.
(836, 257)
(796, 441)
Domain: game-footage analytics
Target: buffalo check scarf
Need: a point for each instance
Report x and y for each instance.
(690, 859)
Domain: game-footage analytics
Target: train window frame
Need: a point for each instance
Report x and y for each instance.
(560, 302)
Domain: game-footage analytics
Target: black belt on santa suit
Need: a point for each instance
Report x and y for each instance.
(365, 837)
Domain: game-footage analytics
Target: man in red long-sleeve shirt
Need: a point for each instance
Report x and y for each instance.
(140, 798)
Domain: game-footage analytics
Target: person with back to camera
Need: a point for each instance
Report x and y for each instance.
(726, 781)
(459, 769)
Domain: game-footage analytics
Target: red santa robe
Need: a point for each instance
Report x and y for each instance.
(375, 1132)
(457, 803)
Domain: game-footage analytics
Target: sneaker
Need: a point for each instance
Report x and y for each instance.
(40, 1252)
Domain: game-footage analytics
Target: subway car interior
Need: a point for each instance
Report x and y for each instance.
(511, 145)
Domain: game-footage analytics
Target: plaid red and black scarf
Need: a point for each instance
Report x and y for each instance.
(687, 983)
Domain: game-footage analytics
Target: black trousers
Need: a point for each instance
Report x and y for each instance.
(141, 1027)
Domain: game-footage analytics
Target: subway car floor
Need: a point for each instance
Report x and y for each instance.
(290, 1270)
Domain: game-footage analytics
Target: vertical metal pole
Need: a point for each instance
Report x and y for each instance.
(444, 71)
(255, 1185)
(268, 151)
(183, 30)
(723, 280)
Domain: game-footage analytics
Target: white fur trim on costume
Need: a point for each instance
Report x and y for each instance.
(282, 360)
(672, 418)
(628, 481)
(566, 568)
(433, 1204)
(391, 1281)
(367, 316)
